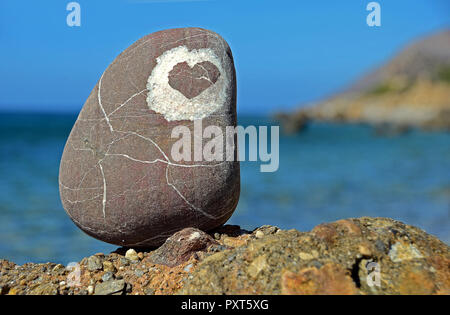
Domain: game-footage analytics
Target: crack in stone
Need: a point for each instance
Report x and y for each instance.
(163, 161)
(126, 102)
(75, 189)
(169, 163)
(80, 201)
(104, 191)
(184, 198)
(166, 160)
(99, 97)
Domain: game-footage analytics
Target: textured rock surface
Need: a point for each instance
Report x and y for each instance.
(110, 287)
(118, 181)
(331, 259)
(181, 246)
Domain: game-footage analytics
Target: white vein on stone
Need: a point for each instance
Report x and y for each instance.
(104, 190)
(166, 160)
(185, 199)
(88, 199)
(126, 102)
(99, 97)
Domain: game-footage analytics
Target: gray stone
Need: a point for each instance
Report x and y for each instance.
(94, 263)
(139, 273)
(107, 276)
(113, 287)
(149, 291)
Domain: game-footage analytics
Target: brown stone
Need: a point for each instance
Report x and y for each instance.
(326, 232)
(118, 179)
(179, 248)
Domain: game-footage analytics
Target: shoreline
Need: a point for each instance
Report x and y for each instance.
(333, 258)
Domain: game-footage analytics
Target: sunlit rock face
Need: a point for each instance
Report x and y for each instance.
(118, 179)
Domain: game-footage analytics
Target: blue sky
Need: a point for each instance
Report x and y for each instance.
(286, 52)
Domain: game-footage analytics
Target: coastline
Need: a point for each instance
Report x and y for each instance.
(411, 90)
(424, 105)
(333, 258)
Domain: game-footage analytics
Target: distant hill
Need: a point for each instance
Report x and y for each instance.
(425, 58)
(410, 90)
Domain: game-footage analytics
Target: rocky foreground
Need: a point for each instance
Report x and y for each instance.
(333, 258)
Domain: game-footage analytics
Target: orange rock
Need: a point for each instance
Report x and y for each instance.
(235, 241)
(328, 280)
(416, 283)
(442, 267)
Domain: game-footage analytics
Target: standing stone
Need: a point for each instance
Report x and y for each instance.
(118, 179)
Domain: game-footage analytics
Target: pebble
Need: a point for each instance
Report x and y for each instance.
(188, 267)
(181, 246)
(259, 234)
(107, 276)
(139, 273)
(108, 266)
(94, 263)
(131, 255)
(305, 256)
(149, 291)
(113, 287)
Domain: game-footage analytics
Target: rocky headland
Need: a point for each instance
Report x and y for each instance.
(351, 256)
(410, 91)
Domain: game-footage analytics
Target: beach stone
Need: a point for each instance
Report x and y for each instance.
(118, 180)
(107, 276)
(179, 248)
(94, 263)
(108, 267)
(131, 254)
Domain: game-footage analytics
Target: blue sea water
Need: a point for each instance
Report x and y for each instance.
(327, 173)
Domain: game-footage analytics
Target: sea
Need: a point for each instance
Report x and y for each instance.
(327, 172)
